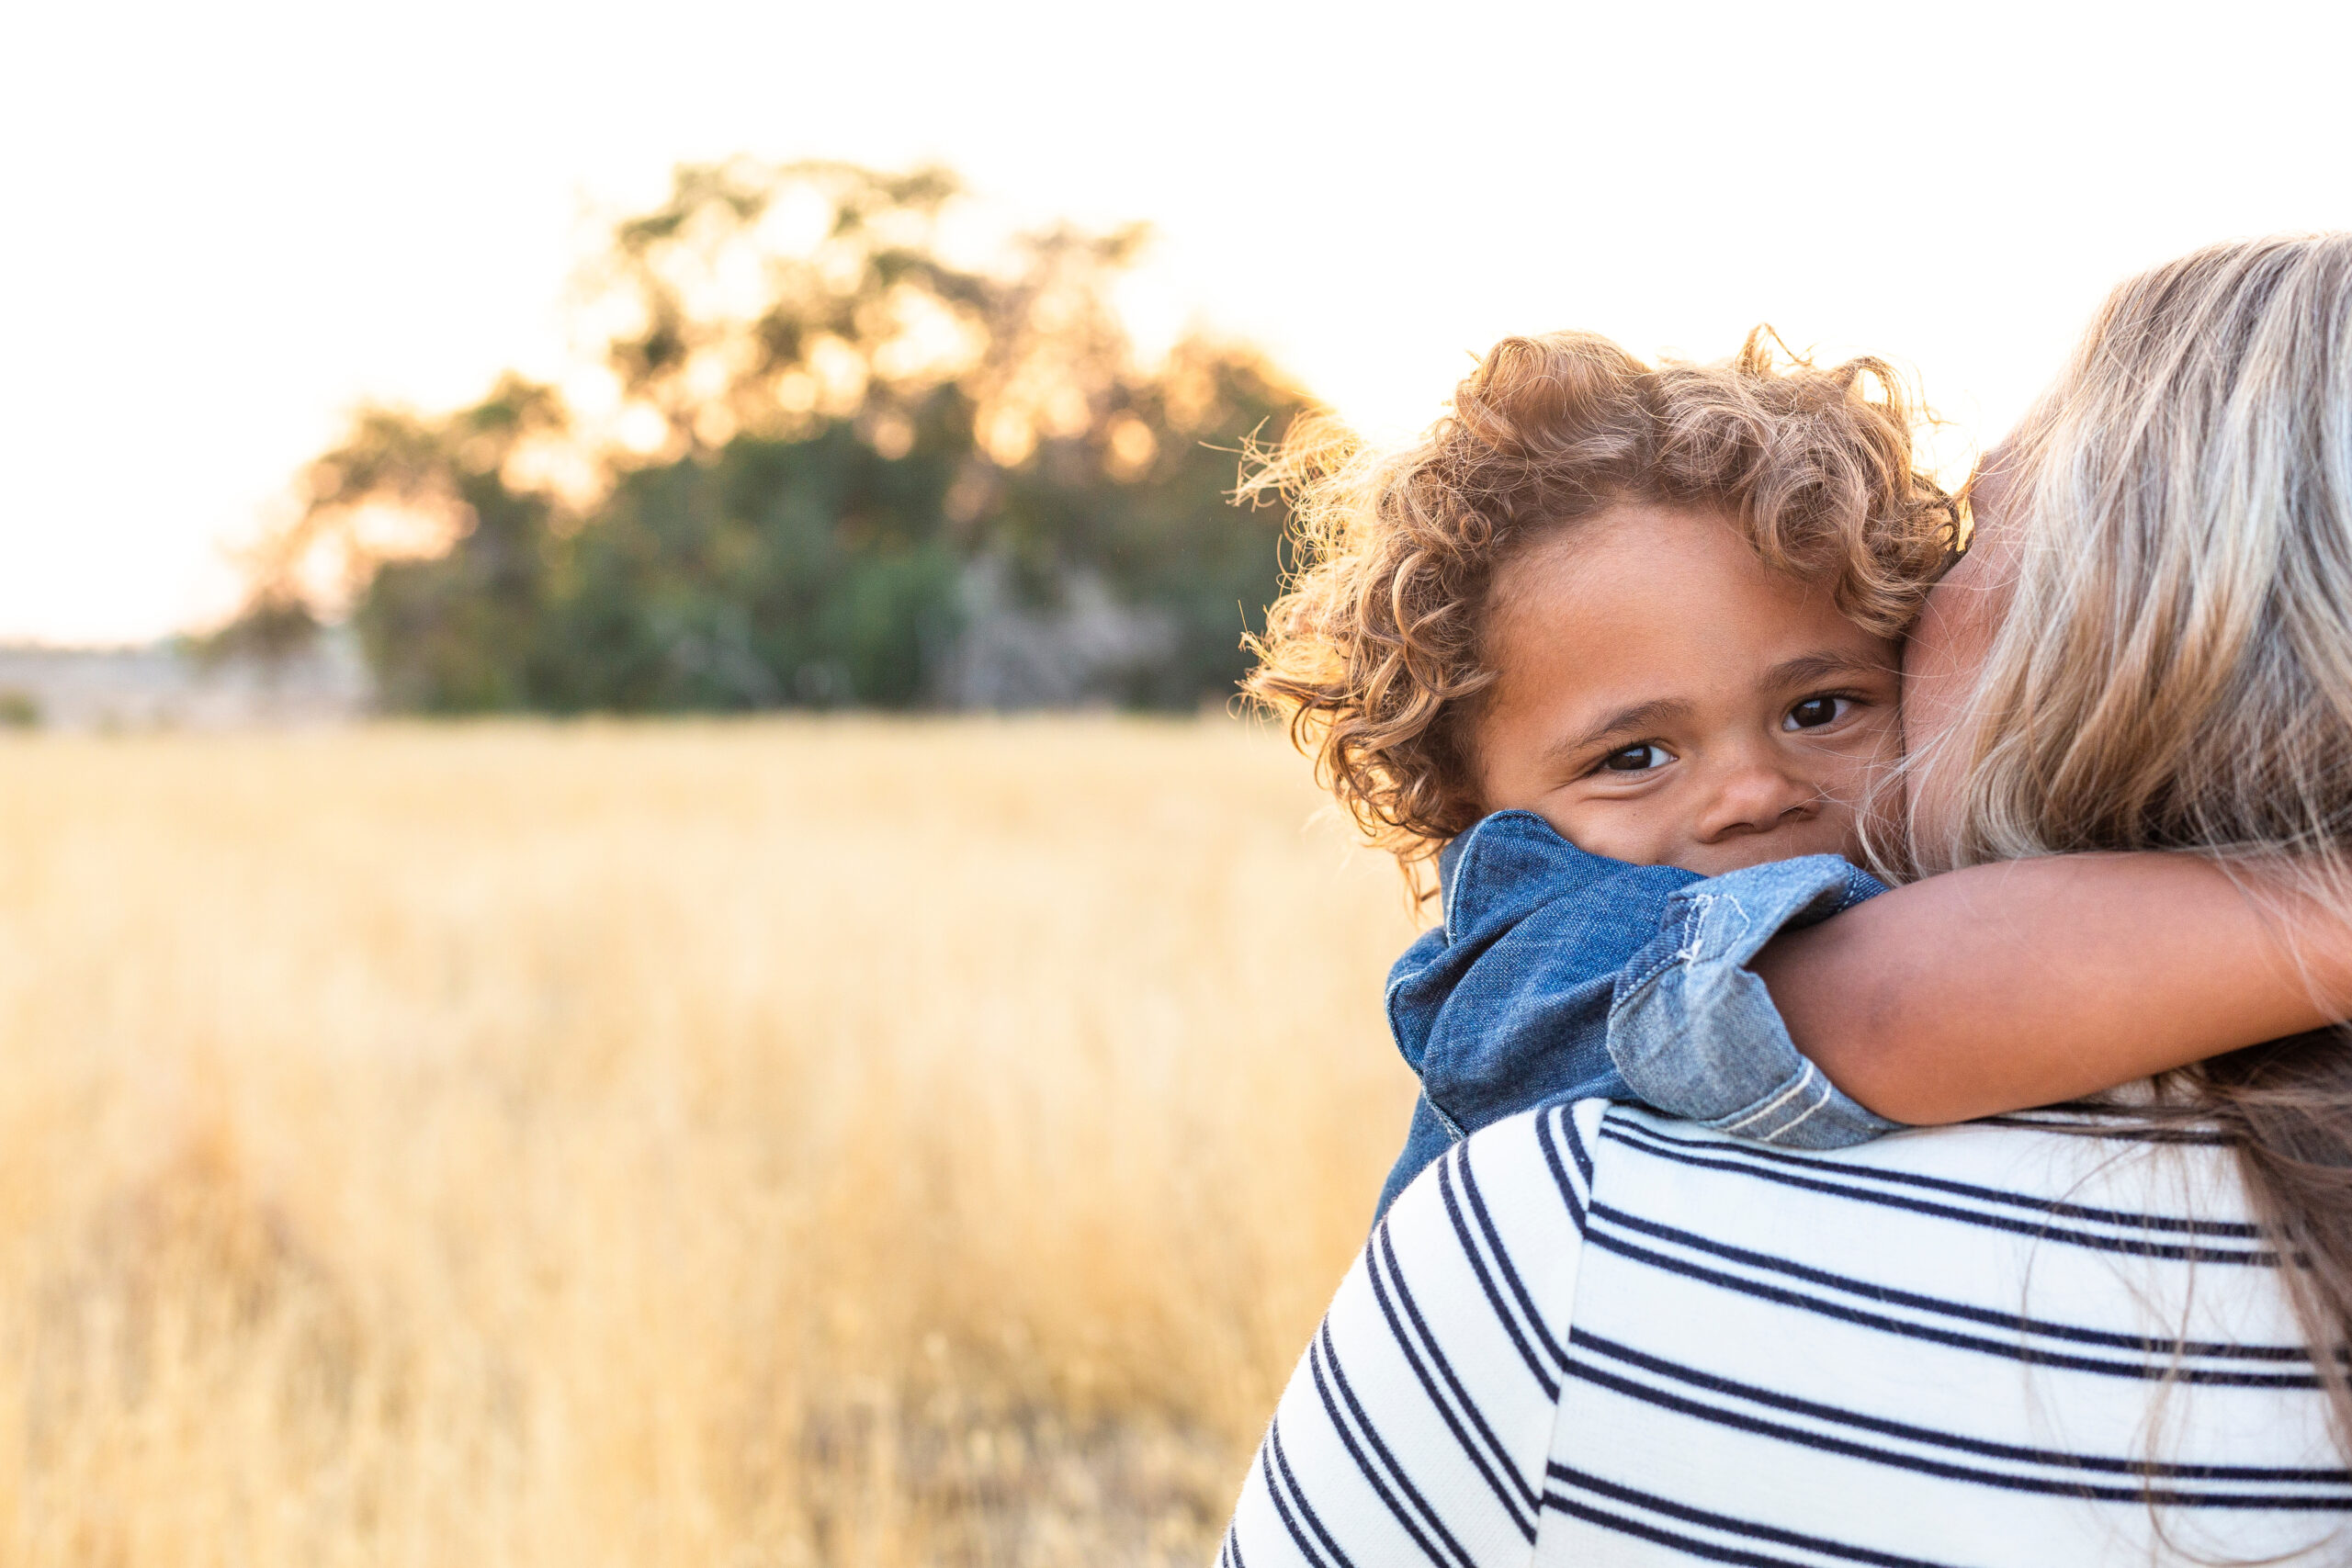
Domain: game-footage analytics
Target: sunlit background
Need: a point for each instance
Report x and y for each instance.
(229, 224)
(594, 1135)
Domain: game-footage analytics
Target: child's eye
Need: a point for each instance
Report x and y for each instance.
(1815, 712)
(1638, 758)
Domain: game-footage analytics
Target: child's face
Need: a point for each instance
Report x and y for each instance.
(1664, 699)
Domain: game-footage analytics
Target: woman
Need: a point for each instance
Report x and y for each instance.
(1591, 1334)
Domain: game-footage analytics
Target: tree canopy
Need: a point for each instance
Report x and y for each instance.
(843, 470)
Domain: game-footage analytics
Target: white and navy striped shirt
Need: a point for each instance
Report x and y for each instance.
(1590, 1335)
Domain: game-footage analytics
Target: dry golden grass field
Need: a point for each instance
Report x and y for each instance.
(700, 1144)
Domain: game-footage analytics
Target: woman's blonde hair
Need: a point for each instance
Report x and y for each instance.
(2174, 669)
(1375, 651)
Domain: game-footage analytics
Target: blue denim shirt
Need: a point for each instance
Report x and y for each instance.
(1560, 974)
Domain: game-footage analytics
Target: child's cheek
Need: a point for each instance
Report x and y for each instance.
(1618, 829)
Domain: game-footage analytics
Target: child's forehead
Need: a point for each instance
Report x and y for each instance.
(1653, 603)
(1692, 558)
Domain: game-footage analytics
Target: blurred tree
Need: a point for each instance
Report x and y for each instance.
(836, 452)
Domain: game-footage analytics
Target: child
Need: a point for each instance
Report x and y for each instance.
(1608, 631)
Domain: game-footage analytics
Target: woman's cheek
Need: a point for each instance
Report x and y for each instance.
(1941, 662)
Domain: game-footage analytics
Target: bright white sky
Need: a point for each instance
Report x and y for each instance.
(227, 223)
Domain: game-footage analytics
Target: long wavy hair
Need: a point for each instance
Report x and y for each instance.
(2174, 670)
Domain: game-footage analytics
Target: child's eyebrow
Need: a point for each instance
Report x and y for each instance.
(1625, 721)
(1807, 668)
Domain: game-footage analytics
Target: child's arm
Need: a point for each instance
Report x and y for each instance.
(2031, 982)
(1513, 1001)
(1506, 1005)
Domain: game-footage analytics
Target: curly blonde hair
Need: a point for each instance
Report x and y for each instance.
(1375, 652)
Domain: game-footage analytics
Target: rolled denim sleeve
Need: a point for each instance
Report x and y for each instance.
(1506, 1005)
(1695, 1032)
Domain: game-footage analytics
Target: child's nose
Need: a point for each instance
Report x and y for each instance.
(1754, 796)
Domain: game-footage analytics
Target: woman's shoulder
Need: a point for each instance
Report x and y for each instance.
(2104, 1167)
(2082, 1238)
(2062, 1174)
(2073, 1193)
(1589, 1325)
(1416, 1426)
(1918, 1307)
(2068, 1195)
